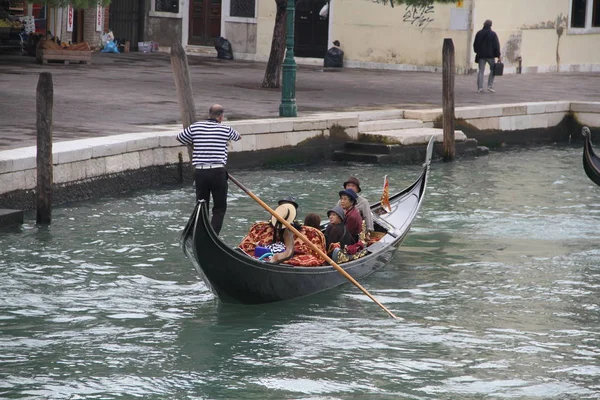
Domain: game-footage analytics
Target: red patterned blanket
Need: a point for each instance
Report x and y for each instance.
(261, 234)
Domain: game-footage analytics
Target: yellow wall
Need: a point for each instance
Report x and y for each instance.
(531, 30)
(371, 32)
(266, 21)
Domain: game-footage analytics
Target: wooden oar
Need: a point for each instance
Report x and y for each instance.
(311, 245)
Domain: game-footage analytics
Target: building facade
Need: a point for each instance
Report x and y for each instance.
(535, 36)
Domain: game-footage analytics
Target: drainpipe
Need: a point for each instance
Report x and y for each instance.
(471, 17)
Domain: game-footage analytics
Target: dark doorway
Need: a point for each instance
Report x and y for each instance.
(205, 22)
(124, 20)
(77, 26)
(311, 30)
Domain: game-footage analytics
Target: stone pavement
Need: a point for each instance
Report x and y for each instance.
(125, 93)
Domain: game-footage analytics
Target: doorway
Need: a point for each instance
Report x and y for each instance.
(205, 22)
(311, 31)
(124, 20)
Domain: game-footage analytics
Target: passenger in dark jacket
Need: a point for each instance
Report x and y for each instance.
(487, 48)
(336, 231)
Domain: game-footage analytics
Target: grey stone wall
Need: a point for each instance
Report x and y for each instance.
(242, 36)
(165, 31)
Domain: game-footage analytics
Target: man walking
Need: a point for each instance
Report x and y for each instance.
(487, 48)
(209, 141)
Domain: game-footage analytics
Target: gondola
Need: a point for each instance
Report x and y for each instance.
(591, 162)
(235, 277)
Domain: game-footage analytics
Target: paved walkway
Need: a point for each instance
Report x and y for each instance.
(123, 93)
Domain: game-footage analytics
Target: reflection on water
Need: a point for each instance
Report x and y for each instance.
(498, 284)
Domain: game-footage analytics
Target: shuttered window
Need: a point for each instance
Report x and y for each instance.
(242, 8)
(171, 6)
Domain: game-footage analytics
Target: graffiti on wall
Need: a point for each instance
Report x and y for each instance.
(384, 2)
(419, 16)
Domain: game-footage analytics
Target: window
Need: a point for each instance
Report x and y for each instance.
(166, 8)
(585, 16)
(242, 8)
(171, 6)
(578, 13)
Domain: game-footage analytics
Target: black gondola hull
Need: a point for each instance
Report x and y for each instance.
(591, 162)
(234, 277)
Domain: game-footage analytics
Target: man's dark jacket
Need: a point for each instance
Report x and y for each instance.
(486, 44)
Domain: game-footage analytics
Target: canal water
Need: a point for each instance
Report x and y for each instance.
(498, 285)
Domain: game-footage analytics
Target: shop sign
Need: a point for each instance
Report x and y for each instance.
(70, 17)
(99, 17)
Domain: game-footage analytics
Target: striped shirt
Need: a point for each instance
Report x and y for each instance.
(209, 139)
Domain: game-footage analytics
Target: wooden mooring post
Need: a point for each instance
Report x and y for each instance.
(183, 84)
(448, 99)
(44, 104)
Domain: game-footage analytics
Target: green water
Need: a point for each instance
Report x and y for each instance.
(498, 285)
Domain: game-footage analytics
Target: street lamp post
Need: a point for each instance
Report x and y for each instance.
(288, 88)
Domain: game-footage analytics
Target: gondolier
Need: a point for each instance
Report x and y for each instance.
(209, 141)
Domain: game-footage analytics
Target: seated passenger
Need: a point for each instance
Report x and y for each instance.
(313, 220)
(362, 204)
(271, 236)
(274, 237)
(283, 239)
(336, 231)
(353, 222)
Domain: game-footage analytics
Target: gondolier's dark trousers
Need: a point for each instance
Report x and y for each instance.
(213, 181)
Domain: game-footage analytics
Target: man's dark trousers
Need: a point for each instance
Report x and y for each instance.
(213, 181)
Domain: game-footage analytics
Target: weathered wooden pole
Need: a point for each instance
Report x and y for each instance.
(183, 84)
(448, 73)
(44, 103)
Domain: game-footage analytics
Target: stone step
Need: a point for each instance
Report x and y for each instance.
(200, 50)
(388, 125)
(10, 218)
(402, 154)
(408, 137)
(370, 147)
(369, 158)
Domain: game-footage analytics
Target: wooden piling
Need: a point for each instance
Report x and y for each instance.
(448, 72)
(44, 105)
(183, 83)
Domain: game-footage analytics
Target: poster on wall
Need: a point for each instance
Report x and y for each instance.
(70, 18)
(459, 19)
(99, 17)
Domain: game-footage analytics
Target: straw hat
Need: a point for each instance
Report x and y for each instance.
(285, 211)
